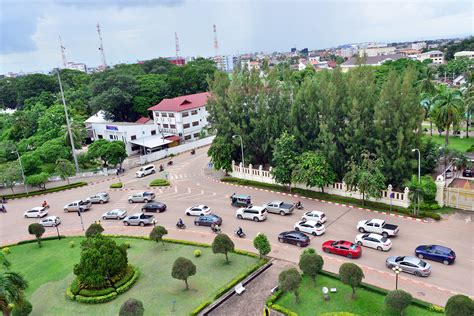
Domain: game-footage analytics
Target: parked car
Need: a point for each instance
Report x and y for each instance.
(50, 221)
(154, 207)
(295, 238)
(436, 253)
(145, 170)
(342, 248)
(78, 206)
(279, 207)
(255, 213)
(141, 219)
(208, 220)
(315, 216)
(198, 210)
(377, 226)
(311, 227)
(143, 197)
(240, 200)
(101, 197)
(115, 214)
(36, 212)
(449, 174)
(468, 173)
(375, 241)
(409, 264)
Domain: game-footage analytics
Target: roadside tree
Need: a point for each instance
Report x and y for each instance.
(37, 230)
(398, 301)
(157, 234)
(459, 305)
(10, 176)
(261, 243)
(352, 275)
(38, 180)
(313, 170)
(289, 281)
(223, 244)
(182, 269)
(284, 159)
(221, 154)
(93, 230)
(65, 169)
(311, 264)
(449, 109)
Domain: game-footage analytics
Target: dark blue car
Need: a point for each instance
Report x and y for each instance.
(208, 220)
(436, 253)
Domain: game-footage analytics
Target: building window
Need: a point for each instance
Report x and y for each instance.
(100, 136)
(194, 112)
(185, 114)
(172, 126)
(164, 115)
(133, 137)
(111, 136)
(196, 135)
(165, 125)
(186, 125)
(188, 137)
(135, 147)
(170, 114)
(153, 132)
(195, 123)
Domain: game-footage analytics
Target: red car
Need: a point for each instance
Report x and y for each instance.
(342, 248)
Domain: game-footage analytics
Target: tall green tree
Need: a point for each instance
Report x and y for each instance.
(284, 159)
(352, 275)
(428, 89)
(311, 264)
(12, 291)
(182, 269)
(65, 169)
(157, 234)
(223, 244)
(468, 95)
(290, 281)
(261, 243)
(221, 154)
(449, 109)
(313, 170)
(37, 230)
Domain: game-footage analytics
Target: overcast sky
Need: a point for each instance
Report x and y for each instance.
(143, 29)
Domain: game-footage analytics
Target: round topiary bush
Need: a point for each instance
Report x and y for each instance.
(72, 244)
(117, 185)
(159, 183)
(197, 253)
(132, 307)
(6, 251)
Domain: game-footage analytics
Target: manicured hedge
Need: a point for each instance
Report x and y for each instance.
(200, 308)
(56, 189)
(128, 275)
(159, 183)
(42, 239)
(283, 310)
(432, 215)
(117, 185)
(95, 293)
(74, 288)
(126, 286)
(96, 299)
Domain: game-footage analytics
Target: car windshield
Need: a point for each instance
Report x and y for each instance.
(353, 246)
(422, 263)
(383, 239)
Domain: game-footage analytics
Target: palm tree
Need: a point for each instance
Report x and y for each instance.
(428, 89)
(468, 94)
(449, 107)
(78, 134)
(12, 288)
(4, 261)
(427, 104)
(416, 193)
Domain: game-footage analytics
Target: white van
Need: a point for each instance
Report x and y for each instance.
(145, 170)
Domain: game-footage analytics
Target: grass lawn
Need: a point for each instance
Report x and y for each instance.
(461, 144)
(49, 272)
(366, 303)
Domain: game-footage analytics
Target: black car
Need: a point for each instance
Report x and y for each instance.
(295, 238)
(467, 173)
(154, 207)
(208, 220)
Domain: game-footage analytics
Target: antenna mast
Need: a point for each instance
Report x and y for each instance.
(101, 48)
(218, 58)
(177, 47)
(63, 54)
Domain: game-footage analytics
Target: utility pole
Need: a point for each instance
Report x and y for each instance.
(63, 54)
(101, 48)
(71, 139)
(176, 40)
(218, 58)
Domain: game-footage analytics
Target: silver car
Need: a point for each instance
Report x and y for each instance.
(409, 264)
(141, 197)
(101, 197)
(115, 214)
(50, 221)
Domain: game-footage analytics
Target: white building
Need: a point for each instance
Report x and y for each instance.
(77, 66)
(377, 51)
(435, 55)
(418, 45)
(464, 54)
(183, 116)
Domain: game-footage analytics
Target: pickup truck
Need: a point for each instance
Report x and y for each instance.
(76, 206)
(139, 219)
(377, 226)
(279, 207)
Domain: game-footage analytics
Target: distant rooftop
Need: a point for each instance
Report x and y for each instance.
(373, 60)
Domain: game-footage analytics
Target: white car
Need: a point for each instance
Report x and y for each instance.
(145, 170)
(311, 227)
(255, 213)
(375, 241)
(315, 216)
(36, 212)
(50, 221)
(115, 214)
(198, 210)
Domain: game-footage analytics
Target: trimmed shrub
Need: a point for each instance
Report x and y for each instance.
(94, 229)
(72, 244)
(117, 185)
(6, 251)
(436, 309)
(132, 307)
(127, 277)
(432, 215)
(159, 183)
(398, 301)
(124, 288)
(459, 305)
(51, 190)
(70, 295)
(96, 299)
(75, 288)
(96, 293)
(24, 310)
(197, 253)
(283, 310)
(200, 308)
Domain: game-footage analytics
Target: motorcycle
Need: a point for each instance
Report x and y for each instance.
(193, 152)
(182, 226)
(241, 235)
(3, 209)
(298, 205)
(170, 163)
(45, 205)
(216, 230)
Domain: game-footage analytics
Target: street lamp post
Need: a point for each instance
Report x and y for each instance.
(445, 162)
(57, 231)
(22, 171)
(79, 213)
(397, 271)
(419, 173)
(241, 148)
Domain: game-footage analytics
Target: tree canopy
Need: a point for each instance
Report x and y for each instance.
(223, 244)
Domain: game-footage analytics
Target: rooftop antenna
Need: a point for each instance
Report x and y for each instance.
(101, 48)
(216, 48)
(63, 54)
(177, 46)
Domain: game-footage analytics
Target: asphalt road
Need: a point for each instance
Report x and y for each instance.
(193, 183)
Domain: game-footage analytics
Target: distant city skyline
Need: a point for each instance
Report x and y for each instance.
(144, 29)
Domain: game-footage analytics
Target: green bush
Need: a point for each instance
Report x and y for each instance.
(185, 242)
(96, 299)
(283, 310)
(432, 215)
(245, 253)
(42, 239)
(72, 244)
(126, 245)
(435, 206)
(117, 185)
(70, 295)
(96, 293)
(128, 275)
(75, 288)
(6, 251)
(125, 287)
(197, 253)
(159, 183)
(436, 309)
(51, 190)
(337, 314)
(200, 308)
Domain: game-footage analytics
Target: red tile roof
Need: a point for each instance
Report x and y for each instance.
(142, 120)
(173, 138)
(182, 103)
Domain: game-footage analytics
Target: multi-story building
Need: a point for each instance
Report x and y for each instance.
(418, 45)
(77, 66)
(377, 51)
(184, 116)
(464, 54)
(435, 55)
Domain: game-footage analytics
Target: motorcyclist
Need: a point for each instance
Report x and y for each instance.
(298, 204)
(180, 223)
(240, 232)
(3, 209)
(45, 204)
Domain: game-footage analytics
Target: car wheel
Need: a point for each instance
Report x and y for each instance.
(255, 219)
(145, 200)
(101, 201)
(26, 216)
(298, 244)
(362, 230)
(66, 210)
(239, 216)
(314, 234)
(420, 256)
(418, 273)
(379, 248)
(282, 213)
(390, 266)
(359, 243)
(196, 223)
(188, 214)
(142, 224)
(153, 171)
(126, 223)
(326, 250)
(280, 239)
(104, 217)
(130, 201)
(349, 256)
(385, 235)
(446, 262)
(37, 216)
